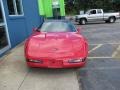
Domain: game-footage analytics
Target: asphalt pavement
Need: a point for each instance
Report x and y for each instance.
(102, 71)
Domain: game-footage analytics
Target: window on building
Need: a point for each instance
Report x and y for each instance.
(1, 16)
(3, 37)
(15, 7)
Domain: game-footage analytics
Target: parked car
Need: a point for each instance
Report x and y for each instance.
(97, 15)
(56, 44)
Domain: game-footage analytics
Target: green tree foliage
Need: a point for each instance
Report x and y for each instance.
(107, 5)
(116, 5)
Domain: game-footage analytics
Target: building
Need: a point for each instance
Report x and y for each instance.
(52, 8)
(18, 17)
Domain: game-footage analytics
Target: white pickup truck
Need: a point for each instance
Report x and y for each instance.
(97, 15)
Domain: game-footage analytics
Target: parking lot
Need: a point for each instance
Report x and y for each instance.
(103, 38)
(102, 71)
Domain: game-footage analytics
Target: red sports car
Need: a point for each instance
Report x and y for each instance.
(56, 44)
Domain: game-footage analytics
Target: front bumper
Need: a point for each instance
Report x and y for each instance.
(56, 64)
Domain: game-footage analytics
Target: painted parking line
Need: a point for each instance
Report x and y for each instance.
(116, 52)
(98, 57)
(101, 68)
(98, 46)
(105, 43)
(112, 50)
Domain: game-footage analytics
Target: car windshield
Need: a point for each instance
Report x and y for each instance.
(57, 26)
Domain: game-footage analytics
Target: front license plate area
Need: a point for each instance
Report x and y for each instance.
(55, 63)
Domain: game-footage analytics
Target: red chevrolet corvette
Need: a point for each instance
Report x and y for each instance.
(56, 44)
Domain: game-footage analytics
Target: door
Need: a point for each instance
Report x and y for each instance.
(92, 15)
(4, 40)
(56, 13)
(99, 15)
(56, 9)
(95, 15)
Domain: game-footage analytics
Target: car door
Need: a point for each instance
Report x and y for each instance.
(92, 15)
(99, 15)
(95, 15)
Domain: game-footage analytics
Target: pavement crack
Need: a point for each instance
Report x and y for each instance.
(24, 79)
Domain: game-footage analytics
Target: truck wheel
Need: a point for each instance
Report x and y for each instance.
(82, 21)
(111, 19)
(107, 21)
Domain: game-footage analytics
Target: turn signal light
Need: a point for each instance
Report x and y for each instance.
(77, 60)
(36, 61)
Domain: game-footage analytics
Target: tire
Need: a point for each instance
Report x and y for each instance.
(106, 21)
(112, 19)
(82, 21)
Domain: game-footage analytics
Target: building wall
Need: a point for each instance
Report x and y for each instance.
(45, 8)
(62, 9)
(20, 27)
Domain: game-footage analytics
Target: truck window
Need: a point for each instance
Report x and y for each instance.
(93, 12)
(99, 11)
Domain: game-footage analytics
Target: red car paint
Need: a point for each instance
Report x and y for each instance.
(55, 50)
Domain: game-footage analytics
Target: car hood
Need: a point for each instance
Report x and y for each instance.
(54, 45)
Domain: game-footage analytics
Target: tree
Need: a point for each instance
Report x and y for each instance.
(91, 4)
(116, 5)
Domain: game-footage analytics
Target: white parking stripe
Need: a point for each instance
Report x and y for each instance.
(98, 57)
(101, 68)
(98, 46)
(115, 53)
(104, 43)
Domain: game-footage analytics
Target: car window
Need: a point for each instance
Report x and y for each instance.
(57, 27)
(93, 12)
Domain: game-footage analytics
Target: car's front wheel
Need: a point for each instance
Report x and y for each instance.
(82, 21)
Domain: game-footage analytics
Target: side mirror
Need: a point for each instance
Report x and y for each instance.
(78, 30)
(35, 30)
